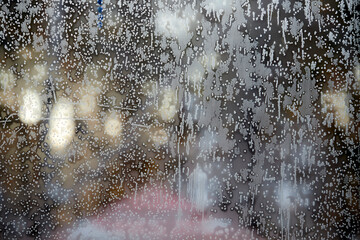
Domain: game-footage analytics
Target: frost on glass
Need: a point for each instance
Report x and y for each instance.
(168, 119)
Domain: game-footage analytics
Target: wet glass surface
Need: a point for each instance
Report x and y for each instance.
(211, 119)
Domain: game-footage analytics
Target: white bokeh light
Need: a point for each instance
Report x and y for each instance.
(30, 111)
(62, 125)
(113, 125)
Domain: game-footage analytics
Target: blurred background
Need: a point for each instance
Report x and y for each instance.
(247, 110)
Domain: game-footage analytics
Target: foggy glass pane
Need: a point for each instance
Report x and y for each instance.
(179, 119)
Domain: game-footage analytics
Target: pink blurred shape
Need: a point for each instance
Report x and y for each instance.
(154, 214)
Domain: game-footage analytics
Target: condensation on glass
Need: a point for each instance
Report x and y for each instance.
(169, 119)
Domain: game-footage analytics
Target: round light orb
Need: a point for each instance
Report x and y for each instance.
(159, 136)
(336, 104)
(168, 109)
(62, 125)
(113, 125)
(30, 111)
(87, 105)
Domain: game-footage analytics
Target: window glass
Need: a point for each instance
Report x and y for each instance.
(169, 119)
